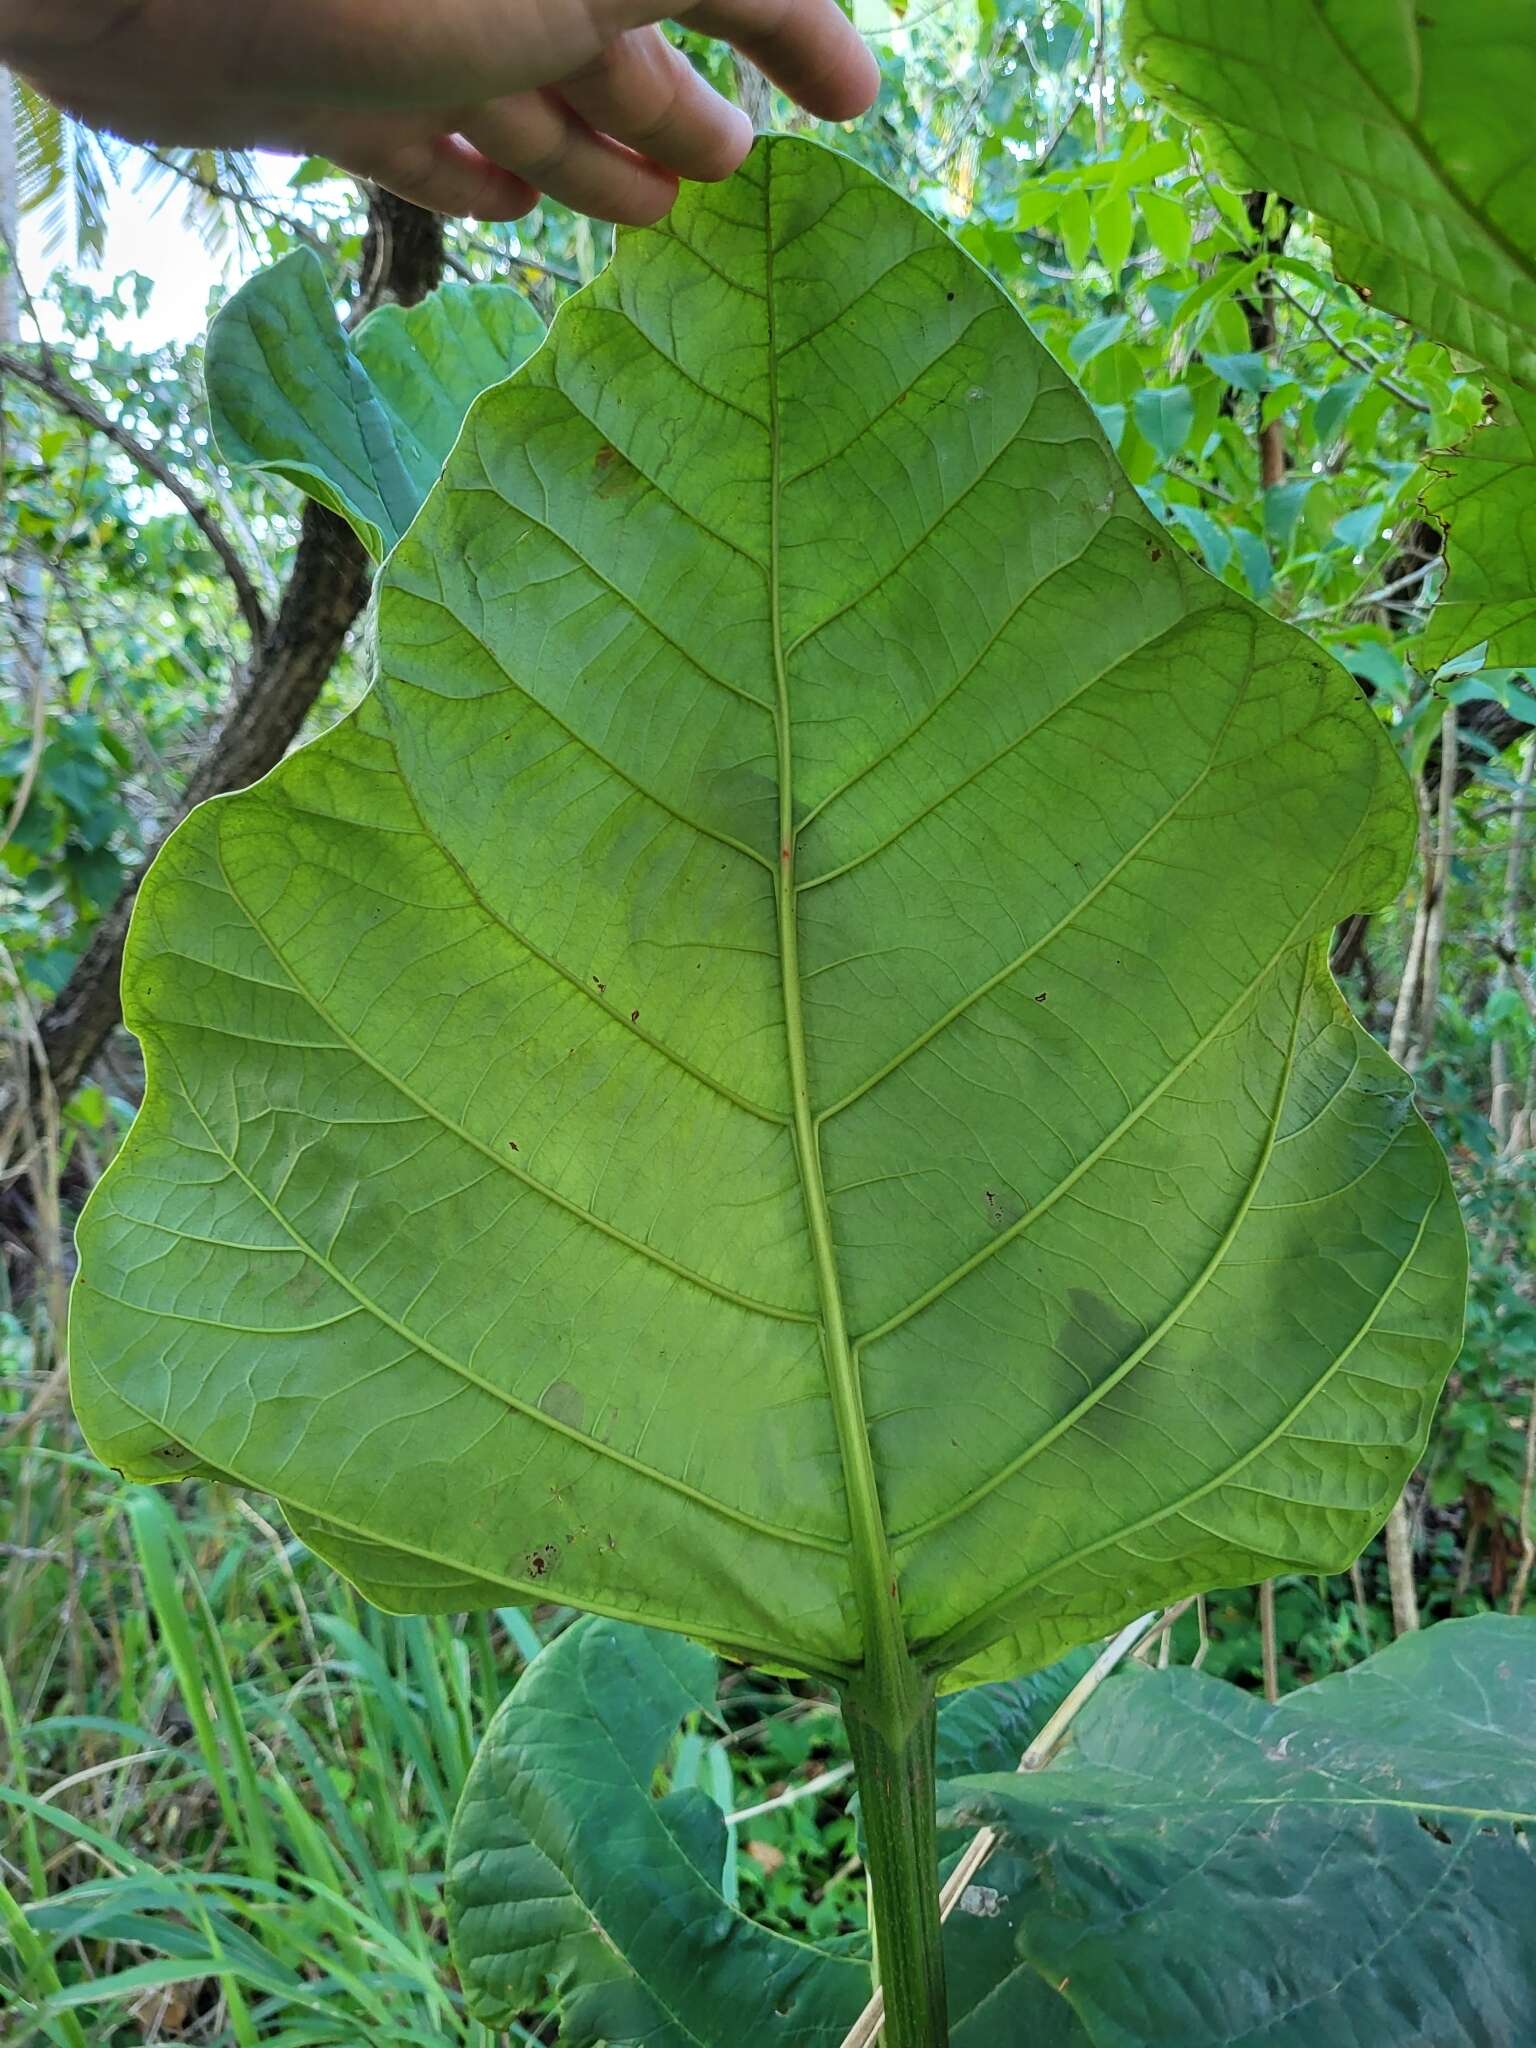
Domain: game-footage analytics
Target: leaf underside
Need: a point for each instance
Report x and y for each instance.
(538, 1210)
(1349, 1869)
(1408, 130)
(361, 422)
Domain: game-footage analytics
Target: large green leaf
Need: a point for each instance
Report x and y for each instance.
(1349, 1869)
(363, 422)
(567, 1878)
(779, 1077)
(1407, 129)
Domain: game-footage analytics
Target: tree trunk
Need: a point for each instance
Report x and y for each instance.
(326, 591)
(1259, 312)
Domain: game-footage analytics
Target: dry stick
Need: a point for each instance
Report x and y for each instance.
(1404, 1011)
(792, 1796)
(1507, 1124)
(753, 93)
(866, 2029)
(1471, 1543)
(1412, 1031)
(1268, 1644)
(1362, 1605)
(24, 585)
(1502, 1100)
(1445, 842)
(1405, 1597)
(1413, 1015)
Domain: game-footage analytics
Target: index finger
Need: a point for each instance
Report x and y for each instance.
(809, 47)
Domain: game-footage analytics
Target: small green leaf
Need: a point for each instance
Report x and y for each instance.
(1094, 337)
(1336, 405)
(1356, 530)
(1074, 219)
(364, 423)
(1245, 370)
(1165, 418)
(1114, 226)
(1213, 541)
(1258, 569)
(1283, 507)
(1036, 203)
(1168, 225)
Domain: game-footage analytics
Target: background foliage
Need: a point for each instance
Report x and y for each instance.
(158, 1655)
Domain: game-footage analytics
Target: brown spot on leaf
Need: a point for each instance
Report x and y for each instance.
(563, 1403)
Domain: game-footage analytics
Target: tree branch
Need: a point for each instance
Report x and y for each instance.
(44, 378)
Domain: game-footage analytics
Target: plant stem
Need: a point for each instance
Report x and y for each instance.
(896, 1799)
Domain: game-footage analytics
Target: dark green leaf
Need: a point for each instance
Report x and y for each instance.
(1349, 1869)
(566, 1875)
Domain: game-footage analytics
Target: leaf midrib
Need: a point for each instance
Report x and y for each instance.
(885, 1652)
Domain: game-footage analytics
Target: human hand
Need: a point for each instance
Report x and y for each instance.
(464, 106)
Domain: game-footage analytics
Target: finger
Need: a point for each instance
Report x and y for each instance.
(644, 92)
(443, 173)
(536, 136)
(809, 47)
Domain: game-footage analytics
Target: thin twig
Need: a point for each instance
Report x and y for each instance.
(43, 378)
(521, 261)
(1366, 362)
(792, 1795)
